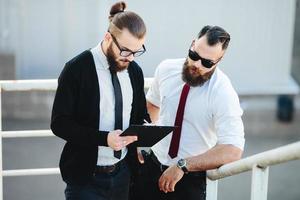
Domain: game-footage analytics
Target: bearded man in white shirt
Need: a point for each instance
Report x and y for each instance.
(210, 132)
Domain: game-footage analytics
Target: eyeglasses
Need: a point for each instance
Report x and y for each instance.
(126, 52)
(205, 62)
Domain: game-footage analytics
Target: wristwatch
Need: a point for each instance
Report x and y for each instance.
(181, 164)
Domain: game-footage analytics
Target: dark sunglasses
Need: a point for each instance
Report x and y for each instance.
(205, 62)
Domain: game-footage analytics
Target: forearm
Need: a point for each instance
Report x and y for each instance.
(214, 158)
(153, 112)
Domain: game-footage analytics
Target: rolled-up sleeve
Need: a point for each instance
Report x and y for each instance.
(153, 94)
(227, 115)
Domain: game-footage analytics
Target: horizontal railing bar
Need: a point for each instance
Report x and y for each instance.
(264, 159)
(31, 172)
(288, 152)
(51, 84)
(27, 133)
(28, 85)
(39, 84)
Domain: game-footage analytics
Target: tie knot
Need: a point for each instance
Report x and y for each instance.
(185, 89)
(186, 86)
(112, 70)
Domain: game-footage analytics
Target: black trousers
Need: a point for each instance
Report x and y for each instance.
(103, 186)
(192, 186)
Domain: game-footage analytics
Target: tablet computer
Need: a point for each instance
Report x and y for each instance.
(148, 135)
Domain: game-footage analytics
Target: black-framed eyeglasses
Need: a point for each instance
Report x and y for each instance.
(205, 62)
(126, 52)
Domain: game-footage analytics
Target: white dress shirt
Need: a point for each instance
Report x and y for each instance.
(107, 103)
(212, 112)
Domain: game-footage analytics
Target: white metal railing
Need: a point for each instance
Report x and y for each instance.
(259, 163)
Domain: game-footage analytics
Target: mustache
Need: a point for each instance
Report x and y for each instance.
(125, 60)
(192, 67)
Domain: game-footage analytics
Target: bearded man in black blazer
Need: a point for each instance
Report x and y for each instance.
(100, 93)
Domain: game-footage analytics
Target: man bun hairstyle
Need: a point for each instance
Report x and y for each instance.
(117, 8)
(215, 34)
(120, 19)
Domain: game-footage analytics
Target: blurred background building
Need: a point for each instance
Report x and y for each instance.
(263, 62)
(38, 37)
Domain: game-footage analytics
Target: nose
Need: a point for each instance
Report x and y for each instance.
(198, 64)
(130, 57)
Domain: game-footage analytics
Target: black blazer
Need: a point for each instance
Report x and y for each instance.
(75, 116)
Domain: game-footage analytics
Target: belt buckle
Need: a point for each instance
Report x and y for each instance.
(111, 169)
(106, 169)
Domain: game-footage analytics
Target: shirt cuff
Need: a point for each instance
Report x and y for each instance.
(237, 142)
(153, 100)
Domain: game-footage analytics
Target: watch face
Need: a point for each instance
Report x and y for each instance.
(182, 165)
(181, 162)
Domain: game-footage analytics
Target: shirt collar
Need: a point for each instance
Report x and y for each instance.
(101, 57)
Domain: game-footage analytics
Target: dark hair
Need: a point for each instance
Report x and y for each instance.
(120, 19)
(215, 34)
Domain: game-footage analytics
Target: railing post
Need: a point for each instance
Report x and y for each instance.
(1, 168)
(211, 189)
(259, 187)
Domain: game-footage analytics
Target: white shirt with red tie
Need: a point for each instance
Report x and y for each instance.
(212, 112)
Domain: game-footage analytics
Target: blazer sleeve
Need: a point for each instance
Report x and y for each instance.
(63, 119)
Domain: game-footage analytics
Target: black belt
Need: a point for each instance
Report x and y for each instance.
(109, 168)
(164, 167)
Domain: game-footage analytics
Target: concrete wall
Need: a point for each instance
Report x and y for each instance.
(43, 35)
(7, 66)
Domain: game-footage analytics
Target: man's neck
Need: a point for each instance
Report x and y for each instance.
(103, 48)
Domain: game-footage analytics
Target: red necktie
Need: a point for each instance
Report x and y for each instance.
(173, 150)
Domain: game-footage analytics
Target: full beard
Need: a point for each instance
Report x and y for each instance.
(194, 78)
(113, 64)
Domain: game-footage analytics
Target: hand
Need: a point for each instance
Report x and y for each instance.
(117, 142)
(169, 178)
